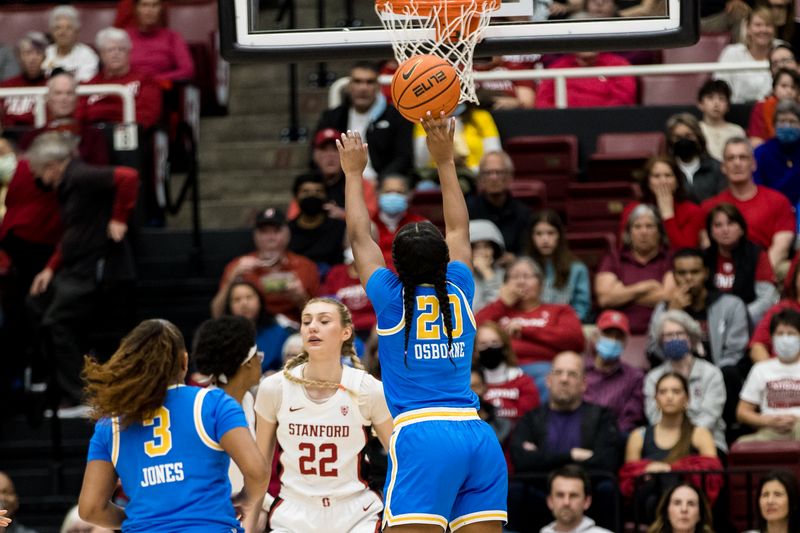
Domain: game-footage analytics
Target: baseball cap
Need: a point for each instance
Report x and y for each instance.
(613, 320)
(270, 217)
(325, 136)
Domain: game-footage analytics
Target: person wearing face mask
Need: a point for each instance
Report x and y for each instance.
(785, 84)
(770, 398)
(315, 235)
(687, 144)
(611, 382)
(392, 212)
(778, 159)
(508, 388)
(677, 335)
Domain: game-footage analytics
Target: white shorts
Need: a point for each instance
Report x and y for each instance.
(361, 513)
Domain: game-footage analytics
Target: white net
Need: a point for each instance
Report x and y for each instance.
(447, 29)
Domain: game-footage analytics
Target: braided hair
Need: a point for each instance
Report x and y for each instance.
(348, 350)
(420, 255)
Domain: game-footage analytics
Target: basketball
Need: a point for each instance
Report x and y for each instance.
(425, 83)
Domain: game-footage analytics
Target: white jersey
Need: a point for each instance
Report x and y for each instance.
(322, 443)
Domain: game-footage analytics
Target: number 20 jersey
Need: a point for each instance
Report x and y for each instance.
(430, 375)
(172, 467)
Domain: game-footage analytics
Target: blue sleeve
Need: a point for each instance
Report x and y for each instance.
(383, 289)
(459, 274)
(581, 299)
(221, 414)
(270, 341)
(100, 445)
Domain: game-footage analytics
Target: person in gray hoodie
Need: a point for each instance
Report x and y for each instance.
(488, 247)
(569, 496)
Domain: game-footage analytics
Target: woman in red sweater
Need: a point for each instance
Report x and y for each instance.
(538, 331)
(663, 187)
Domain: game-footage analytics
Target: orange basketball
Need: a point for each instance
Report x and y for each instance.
(425, 83)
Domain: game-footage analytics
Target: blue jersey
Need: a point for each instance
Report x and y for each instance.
(435, 376)
(171, 466)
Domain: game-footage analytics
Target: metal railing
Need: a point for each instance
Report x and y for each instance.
(560, 75)
(40, 93)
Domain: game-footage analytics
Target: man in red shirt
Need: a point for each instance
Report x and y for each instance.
(590, 92)
(286, 280)
(770, 218)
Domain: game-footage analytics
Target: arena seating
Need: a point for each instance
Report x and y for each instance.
(532, 193)
(618, 156)
(552, 159)
(429, 205)
(597, 206)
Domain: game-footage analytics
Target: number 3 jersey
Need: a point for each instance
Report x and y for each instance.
(171, 466)
(322, 442)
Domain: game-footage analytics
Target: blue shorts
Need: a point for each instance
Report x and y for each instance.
(446, 467)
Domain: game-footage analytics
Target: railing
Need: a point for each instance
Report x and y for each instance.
(560, 75)
(40, 93)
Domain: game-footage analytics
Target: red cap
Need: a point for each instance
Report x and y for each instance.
(325, 136)
(613, 320)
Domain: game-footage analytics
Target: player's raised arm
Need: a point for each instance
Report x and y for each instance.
(366, 252)
(440, 132)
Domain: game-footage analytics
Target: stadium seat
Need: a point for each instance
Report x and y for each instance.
(429, 205)
(598, 206)
(671, 89)
(551, 159)
(591, 246)
(706, 50)
(532, 193)
(761, 457)
(619, 155)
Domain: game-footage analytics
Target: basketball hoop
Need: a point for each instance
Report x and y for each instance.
(457, 26)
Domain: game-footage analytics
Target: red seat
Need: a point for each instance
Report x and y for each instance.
(428, 204)
(706, 50)
(598, 206)
(591, 246)
(762, 456)
(650, 142)
(552, 159)
(532, 193)
(671, 89)
(618, 156)
(19, 20)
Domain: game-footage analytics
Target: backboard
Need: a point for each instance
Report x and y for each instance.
(258, 29)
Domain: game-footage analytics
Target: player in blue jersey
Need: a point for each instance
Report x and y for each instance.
(169, 444)
(446, 467)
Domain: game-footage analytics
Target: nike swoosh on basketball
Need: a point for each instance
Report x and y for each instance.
(367, 507)
(408, 74)
(293, 409)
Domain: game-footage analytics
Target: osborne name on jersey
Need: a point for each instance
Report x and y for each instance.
(438, 350)
(165, 473)
(318, 430)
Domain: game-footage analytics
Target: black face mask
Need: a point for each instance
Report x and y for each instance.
(491, 357)
(685, 149)
(311, 205)
(42, 185)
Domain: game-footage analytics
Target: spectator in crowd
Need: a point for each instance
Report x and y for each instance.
(750, 86)
(778, 158)
(506, 94)
(286, 280)
(645, 8)
(560, 9)
(476, 134)
(783, 15)
(508, 388)
(714, 102)
(62, 102)
(325, 161)
(597, 9)
(538, 331)
(314, 234)
(718, 16)
(495, 203)
(10, 501)
(73, 524)
(18, 110)
(66, 52)
(610, 382)
(9, 66)
(738, 266)
(785, 86)
(770, 397)
(565, 430)
(569, 495)
(590, 92)
(781, 56)
(634, 278)
(156, 50)
(343, 284)
(687, 144)
(761, 340)
(663, 187)
(8, 165)
(684, 508)
(393, 197)
(778, 503)
(114, 46)
(677, 336)
(244, 300)
(566, 278)
(387, 133)
(95, 204)
(488, 248)
(770, 218)
(486, 410)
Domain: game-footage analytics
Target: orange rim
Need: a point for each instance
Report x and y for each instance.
(425, 8)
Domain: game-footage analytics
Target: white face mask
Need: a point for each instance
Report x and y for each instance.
(786, 347)
(8, 164)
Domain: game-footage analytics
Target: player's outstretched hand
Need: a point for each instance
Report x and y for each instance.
(352, 153)
(440, 132)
